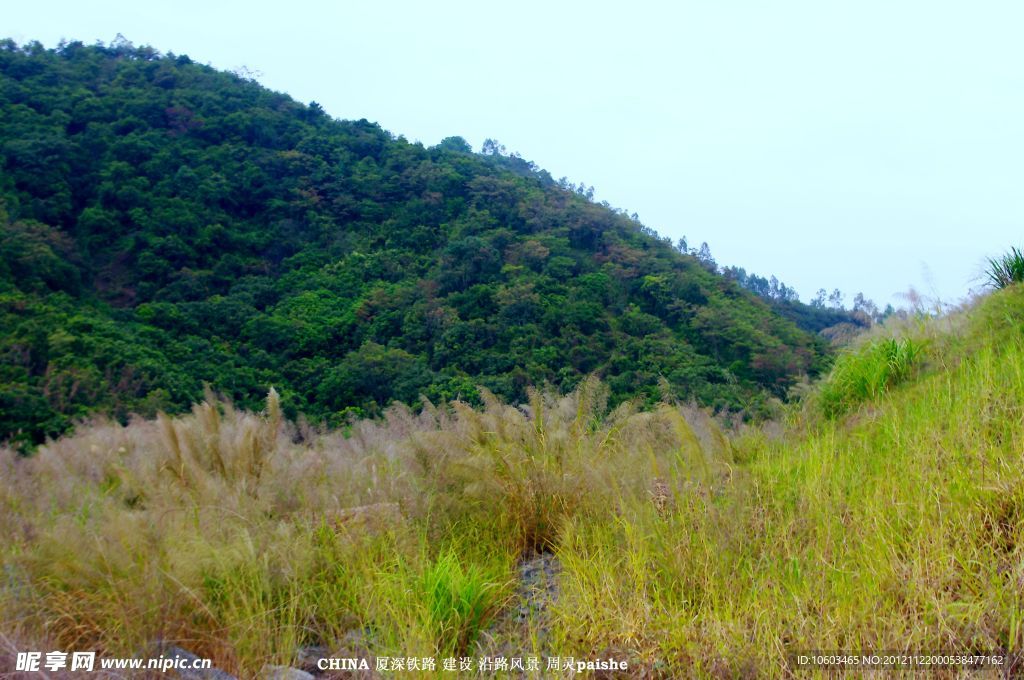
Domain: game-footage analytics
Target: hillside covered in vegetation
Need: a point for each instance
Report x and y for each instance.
(163, 224)
(885, 515)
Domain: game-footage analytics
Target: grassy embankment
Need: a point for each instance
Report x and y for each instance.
(886, 514)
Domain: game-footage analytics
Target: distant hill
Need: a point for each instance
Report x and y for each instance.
(165, 225)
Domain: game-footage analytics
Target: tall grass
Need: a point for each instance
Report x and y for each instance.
(686, 549)
(901, 531)
(867, 372)
(217, 531)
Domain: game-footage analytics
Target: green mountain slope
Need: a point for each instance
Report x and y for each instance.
(165, 224)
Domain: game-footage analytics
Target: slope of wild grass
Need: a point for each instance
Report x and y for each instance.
(886, 515)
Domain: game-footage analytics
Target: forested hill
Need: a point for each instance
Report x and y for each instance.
(164, 224)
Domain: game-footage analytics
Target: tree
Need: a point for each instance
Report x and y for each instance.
(492, 147)
(705, 258)
(315, 111)
(372, 376)
(868, 307)
(457, 144)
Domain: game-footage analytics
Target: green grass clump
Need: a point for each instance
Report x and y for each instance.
(1006, 270)
(459, 600)
(868, 372)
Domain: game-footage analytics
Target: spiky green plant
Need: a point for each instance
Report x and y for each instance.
(1007, 269)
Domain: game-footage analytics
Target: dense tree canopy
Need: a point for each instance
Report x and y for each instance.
(164, 224)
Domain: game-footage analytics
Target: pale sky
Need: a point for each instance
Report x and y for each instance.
(868, 145)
